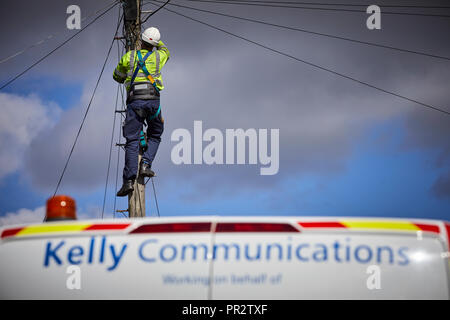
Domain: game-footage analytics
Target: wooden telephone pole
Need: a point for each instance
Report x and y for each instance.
(132, 26)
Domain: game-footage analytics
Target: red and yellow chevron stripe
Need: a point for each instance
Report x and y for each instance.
(384, 225)
(61, 228)
(348, 224)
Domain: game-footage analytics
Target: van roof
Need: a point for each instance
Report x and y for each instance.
(220, 224)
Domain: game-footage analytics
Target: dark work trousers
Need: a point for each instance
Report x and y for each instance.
(137, 112)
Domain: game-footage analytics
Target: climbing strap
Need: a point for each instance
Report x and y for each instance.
(149, 77)
(155, 115)
(141, 62)
(144, 68)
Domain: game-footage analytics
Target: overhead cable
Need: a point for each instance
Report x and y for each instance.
(313, 64)
(59, 46)
(314, 32)
(319, 8)
(87, 110)
(336, 4)
(152, 13)
(49, 37)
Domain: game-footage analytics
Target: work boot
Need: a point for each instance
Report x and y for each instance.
(145, 170)
(127, 187)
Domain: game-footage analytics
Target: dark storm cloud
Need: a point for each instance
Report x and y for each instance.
(228, 83)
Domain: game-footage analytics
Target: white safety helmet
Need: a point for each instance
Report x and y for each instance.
(151, 36)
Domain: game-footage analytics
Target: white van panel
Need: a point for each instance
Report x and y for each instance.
(310, 266)
(141, 273)
(302, 262)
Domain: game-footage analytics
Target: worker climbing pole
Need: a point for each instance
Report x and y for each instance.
(140, 71)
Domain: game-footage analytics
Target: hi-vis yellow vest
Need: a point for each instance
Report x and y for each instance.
(154, 63)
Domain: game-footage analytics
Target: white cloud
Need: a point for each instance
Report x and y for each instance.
(230, 84)
(23, 118)
(320, 116)
(48, 153)
(37, 215)
(23, 216)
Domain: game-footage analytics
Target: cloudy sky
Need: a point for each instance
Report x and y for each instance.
(344, 149)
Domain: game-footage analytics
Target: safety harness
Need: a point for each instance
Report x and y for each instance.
(142, 90)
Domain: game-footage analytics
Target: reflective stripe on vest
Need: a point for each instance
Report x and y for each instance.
(140, 74)
(120, 74)
(141, 65)
(144, 67)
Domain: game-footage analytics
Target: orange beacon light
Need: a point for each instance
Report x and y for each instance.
(60, 207)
